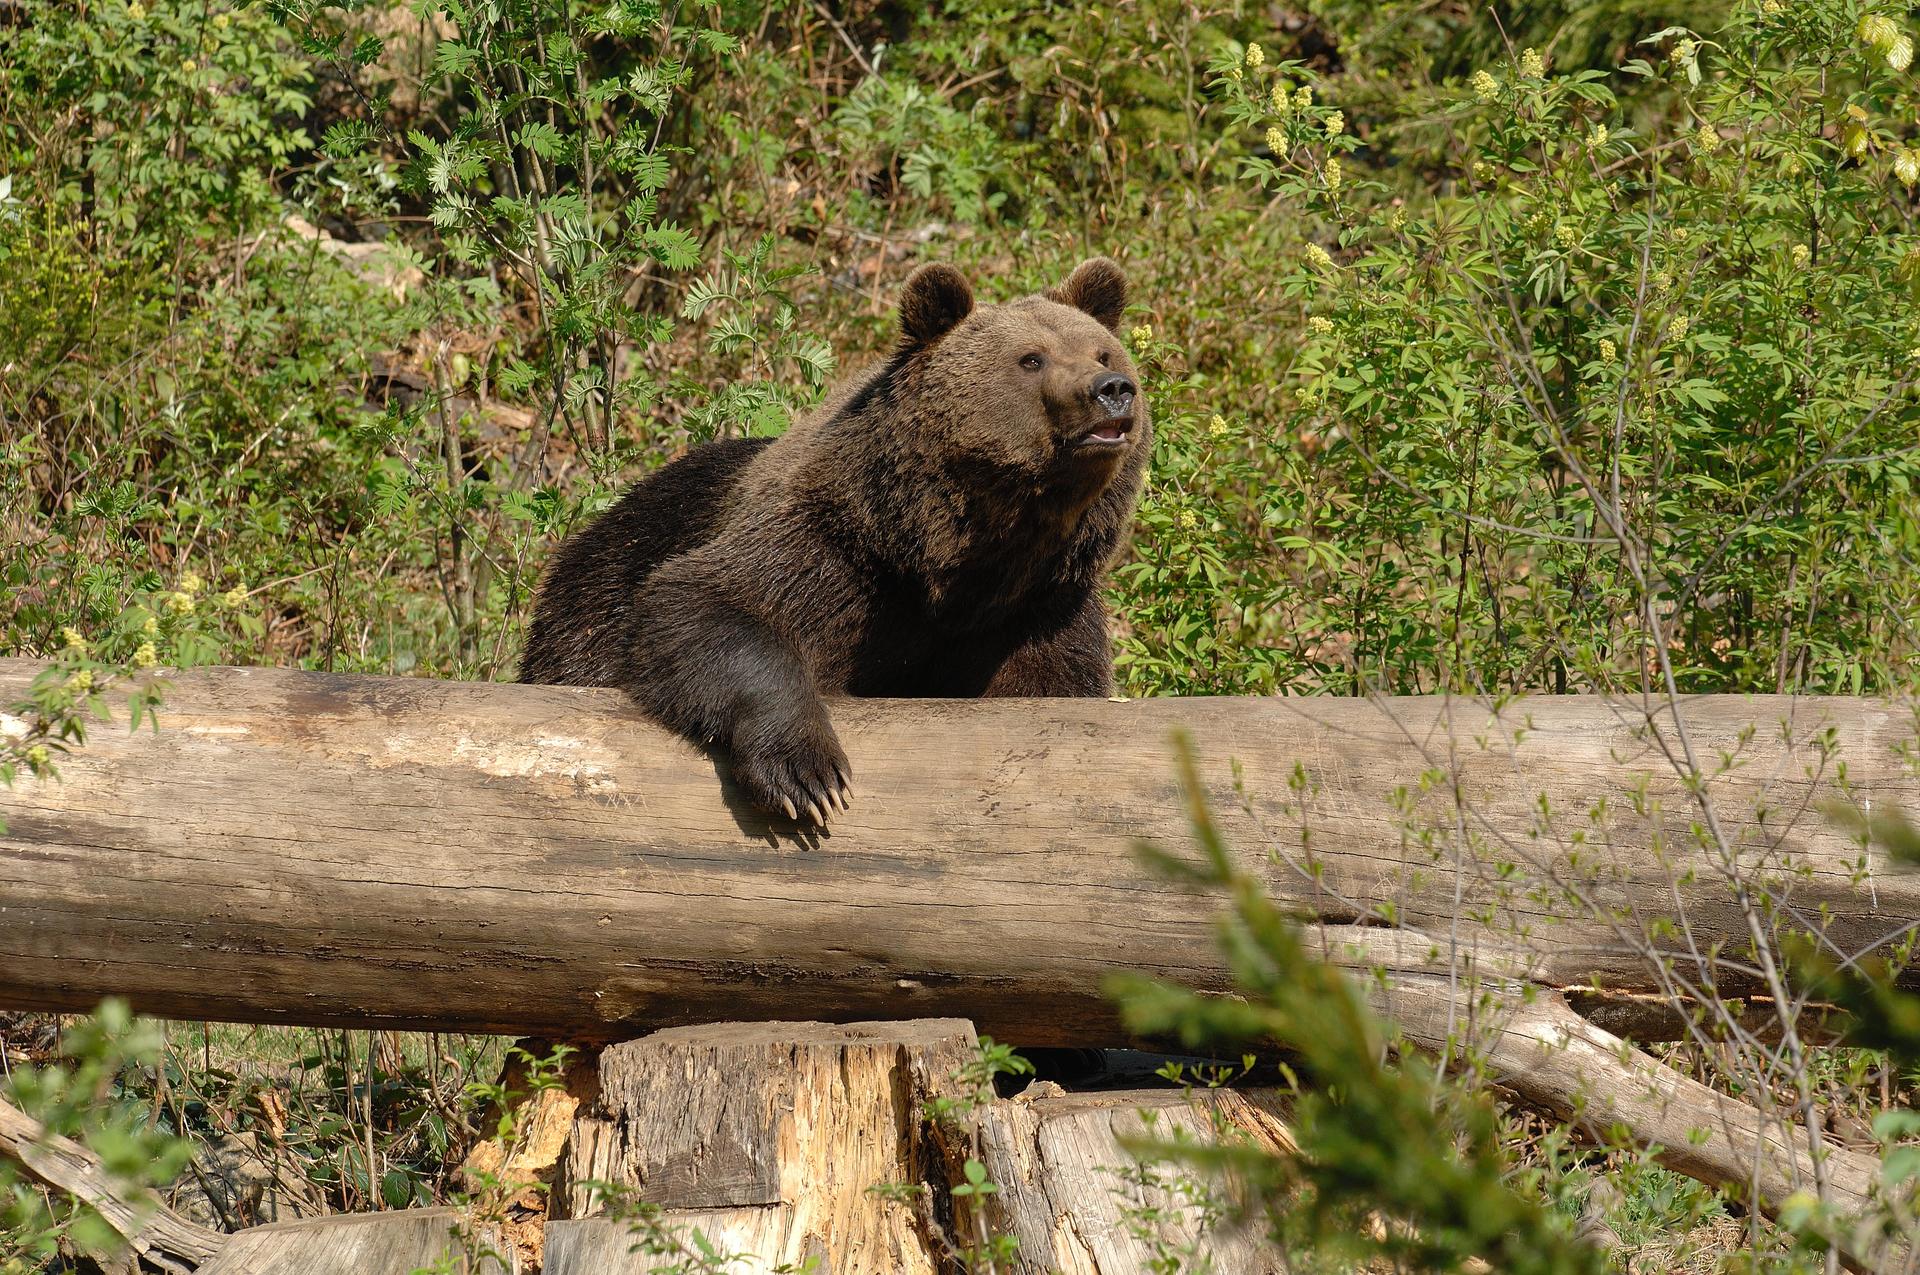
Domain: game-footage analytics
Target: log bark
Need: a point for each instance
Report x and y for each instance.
(397, 853)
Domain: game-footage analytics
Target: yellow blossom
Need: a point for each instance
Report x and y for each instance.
(1677, 329)
(75, 643)
(1772, 8)
(82, 680)
(1680, 234)
(1531, 65)
(1189, 520)
(1566, 234)
(37, 757)
(1303, 98)
(1333, 174)
(180, 603)
(1276, 139)
(1607, 350)
(1255, 55)
(1233, 72)
(188, 67)
(1336, 124)
(235, 596)
(1282, 97)
(1141, 335)
(1801, 256)
(191, 582)
(1217, 427)
(221, 21)
(136, 10)
(1705, 139)
(1398, 220)
(1482, 171)
(1319, 325)
(1597, 136)
(150, 626)
(1485, 87)
(146, 656)
(1683, 51)
(1662, 281)
(1318, 257)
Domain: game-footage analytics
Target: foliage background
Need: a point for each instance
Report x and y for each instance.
(1539, 348)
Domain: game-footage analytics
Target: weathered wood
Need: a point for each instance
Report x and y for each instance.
(154, 1231)
(1079, 1200)
(365, 1244)
(769, 1140)
(1536, 1045)
(296, 847)
(785, 1129)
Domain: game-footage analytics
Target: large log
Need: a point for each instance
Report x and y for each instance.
(398, 853)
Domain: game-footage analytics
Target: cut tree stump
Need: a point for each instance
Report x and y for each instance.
(774, 1141)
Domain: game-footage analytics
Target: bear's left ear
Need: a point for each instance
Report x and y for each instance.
(1098, 287)
(932, 304)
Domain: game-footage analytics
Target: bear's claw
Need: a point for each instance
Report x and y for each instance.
(800, 773)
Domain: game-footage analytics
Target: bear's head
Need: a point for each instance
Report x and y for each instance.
(1041, 387)
(1000, 450)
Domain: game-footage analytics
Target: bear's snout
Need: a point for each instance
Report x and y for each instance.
(1114, 393)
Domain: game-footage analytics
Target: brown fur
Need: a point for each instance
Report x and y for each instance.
(940, 528)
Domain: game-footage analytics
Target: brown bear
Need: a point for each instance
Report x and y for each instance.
(941, 526)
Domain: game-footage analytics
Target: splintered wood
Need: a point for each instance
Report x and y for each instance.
(784, 1142)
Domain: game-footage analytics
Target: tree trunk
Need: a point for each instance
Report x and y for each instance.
(783, 1142)
(397, 853)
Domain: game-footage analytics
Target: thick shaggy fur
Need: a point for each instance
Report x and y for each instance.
(942, 527)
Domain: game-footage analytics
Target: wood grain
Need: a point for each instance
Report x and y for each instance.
(366, 1244)
(399, 853)
(164, 1238)
(771, 1139)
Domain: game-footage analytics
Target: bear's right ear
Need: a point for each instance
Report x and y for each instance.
(934, 301)
(1097, 287)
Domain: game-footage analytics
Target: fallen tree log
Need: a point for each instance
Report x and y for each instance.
(397, 853)
(136, 1214)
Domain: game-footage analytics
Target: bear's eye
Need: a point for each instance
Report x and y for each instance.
(1105, 358)
(1032, 362)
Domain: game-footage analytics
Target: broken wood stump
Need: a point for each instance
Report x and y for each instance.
(781, 1143)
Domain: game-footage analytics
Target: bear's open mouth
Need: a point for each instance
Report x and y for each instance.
(1106, 433)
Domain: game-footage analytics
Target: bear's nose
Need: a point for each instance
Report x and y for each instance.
(1114, 392)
